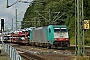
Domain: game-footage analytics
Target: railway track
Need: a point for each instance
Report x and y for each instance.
(32, 55)
(28, 55)
(39, 53)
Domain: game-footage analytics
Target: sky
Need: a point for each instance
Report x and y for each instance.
(9, 14)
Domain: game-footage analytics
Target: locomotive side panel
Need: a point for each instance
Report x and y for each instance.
(39, 35)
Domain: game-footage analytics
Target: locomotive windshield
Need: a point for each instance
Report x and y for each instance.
(60, 30)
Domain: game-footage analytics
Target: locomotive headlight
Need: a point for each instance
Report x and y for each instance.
(55, 39)
(67, 39)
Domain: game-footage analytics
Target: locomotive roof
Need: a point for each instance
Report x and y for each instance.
(55, 26)
(58, 26)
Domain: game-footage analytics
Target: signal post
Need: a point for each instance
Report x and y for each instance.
(80, 25)
(2, 29)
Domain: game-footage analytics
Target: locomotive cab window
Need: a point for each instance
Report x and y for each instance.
(60, 30)
(63, 30)
(49, 31)
(56, 30)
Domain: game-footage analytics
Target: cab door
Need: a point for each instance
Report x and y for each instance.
(51, 35)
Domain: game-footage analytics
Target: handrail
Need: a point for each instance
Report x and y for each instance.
(11, 51)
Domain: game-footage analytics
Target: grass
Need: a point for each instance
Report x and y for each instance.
(4, 56)
(86, 41)
(72, 41)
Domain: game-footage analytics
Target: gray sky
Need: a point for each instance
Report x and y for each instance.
(10, 13)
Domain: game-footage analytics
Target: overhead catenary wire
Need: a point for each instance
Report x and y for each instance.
(18, 13)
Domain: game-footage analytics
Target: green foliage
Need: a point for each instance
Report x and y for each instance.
(63, 6)
(87, 9)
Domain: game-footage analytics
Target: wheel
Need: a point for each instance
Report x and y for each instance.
(68, 44)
